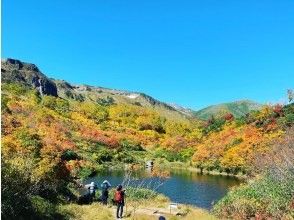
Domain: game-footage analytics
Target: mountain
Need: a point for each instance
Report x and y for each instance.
(29, 74)
(237, 108)
(186, 111)
(15, 71)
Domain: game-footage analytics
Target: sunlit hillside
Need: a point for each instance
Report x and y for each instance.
(53, 132)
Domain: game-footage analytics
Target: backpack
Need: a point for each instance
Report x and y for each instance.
(117, 196)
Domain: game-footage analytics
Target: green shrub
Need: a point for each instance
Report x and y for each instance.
(214, 124)
(125, 157)
(168, 155)
(15, 89)
(186, 154)
(130, 146)
(57, 104)
(15, 192)
(85, 172)
(62, 106)
(140, 193)
(4, 102)
(49, 102)
(267, 196)
(104, 155)
(106, 101)
(69, 155)
(42, 208)
(289, 119)
(30, 141)
(137, 193)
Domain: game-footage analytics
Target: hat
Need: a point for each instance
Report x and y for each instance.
(106, 182)
(119, 187)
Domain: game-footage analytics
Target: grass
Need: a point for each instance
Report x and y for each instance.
(98, 211)
(266, 197)
(94, 211)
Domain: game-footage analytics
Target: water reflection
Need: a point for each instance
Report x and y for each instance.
(183, 186)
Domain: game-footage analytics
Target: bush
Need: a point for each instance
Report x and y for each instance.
(168, 155)
(186, 154)
(137, 193)
(15, 89)
(69, 155)
(104, 155)
(15, 192)
(129, 146)
(106, 101)
(57, 104)
(85, 172)
(140, 193)
(267, 197)
(4, 102)
(42, 208)
(125, 157)
(214, 124)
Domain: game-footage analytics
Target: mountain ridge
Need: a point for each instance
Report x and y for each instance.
(14, 70)
(236, 108)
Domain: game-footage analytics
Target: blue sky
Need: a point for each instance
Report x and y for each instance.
(193, 53)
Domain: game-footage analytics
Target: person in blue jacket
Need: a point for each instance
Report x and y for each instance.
(105, 193)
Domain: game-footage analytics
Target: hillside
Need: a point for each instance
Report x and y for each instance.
(89, 119)
(237, 108)
(54, 133)
(29, 74)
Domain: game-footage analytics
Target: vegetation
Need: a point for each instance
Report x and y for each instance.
(237, 109)
(101, 212)
(95, 211)
(48, 142)
(271, 194)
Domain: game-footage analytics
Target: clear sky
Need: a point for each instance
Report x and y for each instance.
(190, 52)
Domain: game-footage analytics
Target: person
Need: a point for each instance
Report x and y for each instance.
(119, 198)
(104, 197)
(91, 191)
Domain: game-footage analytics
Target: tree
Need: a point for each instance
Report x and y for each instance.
(290, 95)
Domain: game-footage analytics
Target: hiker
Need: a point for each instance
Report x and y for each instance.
(119, 198)
(104, 197)
(91, 191)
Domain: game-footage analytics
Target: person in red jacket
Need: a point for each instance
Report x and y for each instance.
(119, 198)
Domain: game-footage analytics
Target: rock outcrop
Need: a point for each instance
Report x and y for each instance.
(16, 71)
(13, 70)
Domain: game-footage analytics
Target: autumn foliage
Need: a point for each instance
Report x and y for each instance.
(50, 140)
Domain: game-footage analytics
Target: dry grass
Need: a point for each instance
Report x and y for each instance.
(87, 212)
(161, 201)
(191, 213)
(98, 211)
(196, 213)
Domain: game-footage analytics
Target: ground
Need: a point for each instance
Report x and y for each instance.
(143, 211)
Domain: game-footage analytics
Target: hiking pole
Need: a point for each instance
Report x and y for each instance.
(126, 205)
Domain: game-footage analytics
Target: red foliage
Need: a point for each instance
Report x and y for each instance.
(278, 109)
(98, 136)
(228, 117)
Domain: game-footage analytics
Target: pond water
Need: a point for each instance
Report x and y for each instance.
(183, 186)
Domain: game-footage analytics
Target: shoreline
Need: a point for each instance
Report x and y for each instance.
(174, 166)
(213, 173)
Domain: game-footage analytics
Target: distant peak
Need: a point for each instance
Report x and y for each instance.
(17, 64)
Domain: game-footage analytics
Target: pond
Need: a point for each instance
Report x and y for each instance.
(183, 186)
